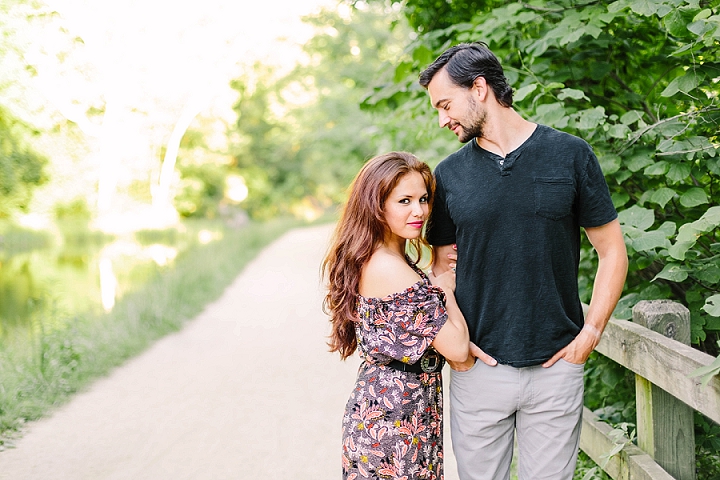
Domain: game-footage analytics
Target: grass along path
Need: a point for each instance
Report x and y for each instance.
(38, 376)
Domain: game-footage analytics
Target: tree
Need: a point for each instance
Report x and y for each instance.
(302, 136)
(21, 168)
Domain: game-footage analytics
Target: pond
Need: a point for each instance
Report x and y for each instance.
(48, 284)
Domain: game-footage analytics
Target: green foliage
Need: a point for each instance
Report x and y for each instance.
(202, 189)
(302, 137)
(21, 169)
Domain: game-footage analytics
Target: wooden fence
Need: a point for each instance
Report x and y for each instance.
(656, 347)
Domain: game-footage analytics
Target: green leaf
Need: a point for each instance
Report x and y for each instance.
(402, 71)
(554, 85)
(619, 131)
(644, 7)
(685, 84)
(618, 5)
(700, 27)
(674, 272)
(639, 161)
(591, 118)
(668, 228)
(423, 55)
(688, 233)
(523, 92)
(707, 372)
(713, 323)
(702, 14)
(712, 305)
(662, 196)
(708, 274)
(623, 309)
(637, 217)
(678, 172)
(657, 168)
(609, 163)
(619, 199)
(572, 93)
(693, 197)
(675, 23)
(679, 249)
(714, 165)
(550, 114)
(573, 35)
(631, 117)
(650, 240)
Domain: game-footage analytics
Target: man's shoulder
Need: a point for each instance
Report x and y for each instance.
(456, 157)
(558, 137)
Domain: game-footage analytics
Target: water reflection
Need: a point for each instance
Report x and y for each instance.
(57, 283)
(108, 284)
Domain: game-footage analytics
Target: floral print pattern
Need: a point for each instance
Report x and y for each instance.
(392, 427)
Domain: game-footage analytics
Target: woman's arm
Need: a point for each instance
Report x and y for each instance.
(453, 338)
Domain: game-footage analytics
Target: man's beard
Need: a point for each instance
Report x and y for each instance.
(475, 129)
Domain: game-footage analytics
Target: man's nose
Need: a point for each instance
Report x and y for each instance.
(443, 118)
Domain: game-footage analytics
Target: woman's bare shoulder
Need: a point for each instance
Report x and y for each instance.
(385, 274)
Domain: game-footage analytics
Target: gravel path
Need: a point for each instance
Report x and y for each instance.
(247, 390)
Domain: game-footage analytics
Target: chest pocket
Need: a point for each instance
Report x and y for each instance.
(554, 196)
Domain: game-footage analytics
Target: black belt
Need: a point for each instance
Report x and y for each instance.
(430, 362)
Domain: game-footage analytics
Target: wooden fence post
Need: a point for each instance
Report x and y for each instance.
(665, 426)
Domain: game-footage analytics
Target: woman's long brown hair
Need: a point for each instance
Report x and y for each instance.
(360, 231)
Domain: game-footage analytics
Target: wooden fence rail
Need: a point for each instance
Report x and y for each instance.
(666, 395)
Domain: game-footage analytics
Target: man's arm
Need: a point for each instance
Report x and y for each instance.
(609, 280)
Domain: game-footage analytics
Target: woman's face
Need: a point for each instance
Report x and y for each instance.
(406, 208)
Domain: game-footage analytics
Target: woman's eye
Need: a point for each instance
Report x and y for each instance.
(424, 200)
(405, 201)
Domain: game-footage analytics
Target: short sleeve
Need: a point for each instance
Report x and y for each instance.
(404, 325)
(441, 228)
(595, 207)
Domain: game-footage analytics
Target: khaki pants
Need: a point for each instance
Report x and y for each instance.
(542, 405)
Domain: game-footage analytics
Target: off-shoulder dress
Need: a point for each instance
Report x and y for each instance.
(392, 426)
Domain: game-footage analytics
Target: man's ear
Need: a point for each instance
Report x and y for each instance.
(480, 87)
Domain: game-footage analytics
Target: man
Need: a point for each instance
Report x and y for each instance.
(513, 200)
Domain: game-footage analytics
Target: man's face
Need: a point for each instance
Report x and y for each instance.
(457, 107)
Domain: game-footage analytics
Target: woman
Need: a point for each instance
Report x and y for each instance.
(381, 303)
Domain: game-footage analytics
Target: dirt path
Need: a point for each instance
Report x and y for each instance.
(247, 390)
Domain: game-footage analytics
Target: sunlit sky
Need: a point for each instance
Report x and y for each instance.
(171, 48)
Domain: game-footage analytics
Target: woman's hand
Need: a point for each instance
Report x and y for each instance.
(445, 280)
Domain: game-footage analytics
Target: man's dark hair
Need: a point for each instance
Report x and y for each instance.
(467, 61)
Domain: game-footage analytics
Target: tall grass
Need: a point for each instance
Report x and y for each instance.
(36, 378)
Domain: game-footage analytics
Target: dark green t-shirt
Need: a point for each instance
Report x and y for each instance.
(516, 222)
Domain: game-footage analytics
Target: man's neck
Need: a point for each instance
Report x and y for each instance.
(505, 130)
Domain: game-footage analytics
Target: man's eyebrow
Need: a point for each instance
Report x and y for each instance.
(437, 104)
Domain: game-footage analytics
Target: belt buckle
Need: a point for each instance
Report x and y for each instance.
(431, 361)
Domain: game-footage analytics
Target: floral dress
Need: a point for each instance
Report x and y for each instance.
(392, 427)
